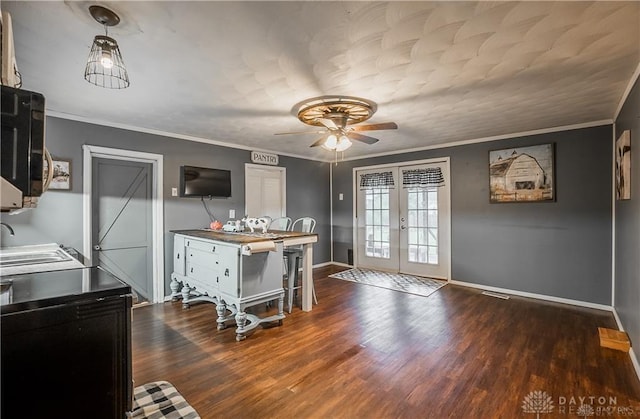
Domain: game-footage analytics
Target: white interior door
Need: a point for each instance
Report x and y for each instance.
(405, 227)
(265, 191)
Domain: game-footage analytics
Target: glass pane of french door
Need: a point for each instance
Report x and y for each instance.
(422, 217)
(377, 223)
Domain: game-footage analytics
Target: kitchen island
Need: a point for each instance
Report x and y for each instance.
(236, 271)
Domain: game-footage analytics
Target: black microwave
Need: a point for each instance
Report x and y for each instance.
(22, 141)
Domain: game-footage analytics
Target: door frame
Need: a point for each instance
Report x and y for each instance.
(157, 208)
(354, 221)
(283, 184)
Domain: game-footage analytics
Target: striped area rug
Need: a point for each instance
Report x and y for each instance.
(397, 282)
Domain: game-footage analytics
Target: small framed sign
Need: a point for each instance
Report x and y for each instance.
(61, 179)
(264, 158)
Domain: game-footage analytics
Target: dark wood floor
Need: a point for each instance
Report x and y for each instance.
(368, 352)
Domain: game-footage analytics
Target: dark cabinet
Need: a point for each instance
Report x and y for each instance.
(69, 360)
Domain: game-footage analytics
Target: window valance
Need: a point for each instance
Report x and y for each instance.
(376, 180)
(422, 178)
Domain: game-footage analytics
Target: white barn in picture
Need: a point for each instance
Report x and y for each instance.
(519, 177)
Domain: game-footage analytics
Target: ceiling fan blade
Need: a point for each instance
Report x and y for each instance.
(363, 138)
(327, 123)
(374, 127)
(319, 141)
(299, 132)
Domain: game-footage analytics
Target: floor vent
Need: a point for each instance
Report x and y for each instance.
(495, 294)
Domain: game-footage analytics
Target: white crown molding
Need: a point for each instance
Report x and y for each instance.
(488, 139)
(71, 117)
(62, 115)
(626, 93)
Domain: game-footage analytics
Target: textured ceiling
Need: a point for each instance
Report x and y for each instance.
(231, 71)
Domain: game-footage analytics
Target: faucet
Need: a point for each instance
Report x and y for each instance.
(11, 232)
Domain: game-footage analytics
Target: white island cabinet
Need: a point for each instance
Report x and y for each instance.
(232, 272)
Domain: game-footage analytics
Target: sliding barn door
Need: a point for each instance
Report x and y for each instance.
(122, 221)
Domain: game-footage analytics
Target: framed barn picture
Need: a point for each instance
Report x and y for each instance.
(522, 174)
(61, 179)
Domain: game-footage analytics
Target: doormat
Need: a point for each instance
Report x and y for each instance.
(396, 282)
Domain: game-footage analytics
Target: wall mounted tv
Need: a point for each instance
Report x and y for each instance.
(202, 181)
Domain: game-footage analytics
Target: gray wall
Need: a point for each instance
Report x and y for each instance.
(58, 217)
(560, 249)
(627, 227)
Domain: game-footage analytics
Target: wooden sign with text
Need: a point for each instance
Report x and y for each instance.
(264, 158)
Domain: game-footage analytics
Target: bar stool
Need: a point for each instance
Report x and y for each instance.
(293, 256)
(282, 224)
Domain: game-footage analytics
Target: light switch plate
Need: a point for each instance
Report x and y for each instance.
(341, 196)
(174, 191)
(232, 214)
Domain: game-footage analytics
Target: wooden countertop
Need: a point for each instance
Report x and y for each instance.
(247, 237)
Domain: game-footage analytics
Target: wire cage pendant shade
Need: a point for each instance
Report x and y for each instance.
(105, 67)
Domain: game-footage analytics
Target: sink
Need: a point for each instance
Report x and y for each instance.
(36, 258)
(33, 258)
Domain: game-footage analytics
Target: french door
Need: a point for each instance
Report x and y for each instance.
(403, 219)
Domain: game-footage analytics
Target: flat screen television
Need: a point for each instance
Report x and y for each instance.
(203, 181)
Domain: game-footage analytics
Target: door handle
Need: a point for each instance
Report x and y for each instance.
(97, 247)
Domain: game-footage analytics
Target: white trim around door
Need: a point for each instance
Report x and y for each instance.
(156, 160)
(447, 224)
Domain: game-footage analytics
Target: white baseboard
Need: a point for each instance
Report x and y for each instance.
(618, 321)
(345, 265)
(536, 296)
(634, 361)
(321, 265)
(632, 354)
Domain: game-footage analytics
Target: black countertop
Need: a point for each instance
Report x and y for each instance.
(44, 289)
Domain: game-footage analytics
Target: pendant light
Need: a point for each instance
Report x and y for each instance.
(105, 67)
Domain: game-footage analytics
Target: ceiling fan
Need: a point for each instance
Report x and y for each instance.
(338, 115)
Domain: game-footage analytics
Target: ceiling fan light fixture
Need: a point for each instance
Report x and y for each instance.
(331, 142)
(339, 116)
(343, 144)
(105, 66)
